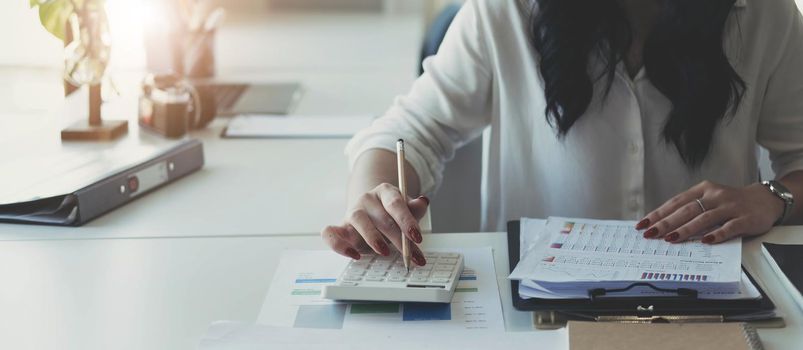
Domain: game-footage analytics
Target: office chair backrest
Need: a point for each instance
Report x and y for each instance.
(437, 30)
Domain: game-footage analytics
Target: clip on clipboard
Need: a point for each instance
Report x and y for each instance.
(603, 305)
(596, 293)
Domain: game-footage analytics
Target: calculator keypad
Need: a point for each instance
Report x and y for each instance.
(380, 278)
(373, 268)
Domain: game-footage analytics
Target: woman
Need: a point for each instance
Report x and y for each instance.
(646, 110)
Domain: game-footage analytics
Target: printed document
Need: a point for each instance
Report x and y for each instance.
(294, 298)
(580, 254)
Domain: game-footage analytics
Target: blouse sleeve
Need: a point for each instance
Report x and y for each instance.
(780, 128)
(448, 106)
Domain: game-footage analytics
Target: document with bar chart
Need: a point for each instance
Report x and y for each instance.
(581, 253)
(294, 299)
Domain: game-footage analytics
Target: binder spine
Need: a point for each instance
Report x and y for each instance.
(125, 186)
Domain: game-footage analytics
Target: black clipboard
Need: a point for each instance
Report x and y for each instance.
(680, 305)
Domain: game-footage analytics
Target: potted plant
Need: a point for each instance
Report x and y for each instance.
(84, 28)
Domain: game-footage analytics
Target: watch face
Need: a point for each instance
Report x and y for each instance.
(783, 192)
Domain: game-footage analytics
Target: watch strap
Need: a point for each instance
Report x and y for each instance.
(783, 194)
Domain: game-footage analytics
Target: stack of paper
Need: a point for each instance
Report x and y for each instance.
(566, 258)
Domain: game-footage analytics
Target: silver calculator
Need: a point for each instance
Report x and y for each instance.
(384, 278)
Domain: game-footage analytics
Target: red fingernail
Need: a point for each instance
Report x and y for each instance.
(384, 250)
(672, 237)
(351, 252)
(643, 224)
(708, 239)
(416, 235)
(652, 232)
(424, 198)
(418, 258)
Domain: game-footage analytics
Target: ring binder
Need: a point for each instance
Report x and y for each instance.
(80, 205)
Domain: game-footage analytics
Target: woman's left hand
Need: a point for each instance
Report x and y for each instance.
(749, 211)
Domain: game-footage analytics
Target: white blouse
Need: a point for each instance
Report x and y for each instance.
(613, 163)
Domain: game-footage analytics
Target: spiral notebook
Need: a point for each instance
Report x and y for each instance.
(616, 336)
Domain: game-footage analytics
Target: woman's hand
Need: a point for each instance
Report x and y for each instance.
(726, 212)
(377, 218)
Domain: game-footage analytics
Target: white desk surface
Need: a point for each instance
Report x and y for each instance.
(247, 187)
(163, 293)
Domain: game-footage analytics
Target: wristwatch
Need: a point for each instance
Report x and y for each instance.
(784, 194)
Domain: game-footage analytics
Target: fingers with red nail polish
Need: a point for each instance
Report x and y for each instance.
(384, 250)
(343, 240)
(643, 224)
(672, 237)
(352, 253)
(652, 232)
(415, 234)
(418, 258)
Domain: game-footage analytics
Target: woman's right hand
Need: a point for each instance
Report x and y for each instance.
(377, 218)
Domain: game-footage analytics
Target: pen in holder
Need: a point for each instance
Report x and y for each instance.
(181, 39)
(199, 55)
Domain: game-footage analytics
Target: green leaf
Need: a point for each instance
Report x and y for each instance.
(35, 3)
(54, 15)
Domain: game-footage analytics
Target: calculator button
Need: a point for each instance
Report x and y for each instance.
(376, 273)
(363, 264)
(441, 274)
(439, 280)
(349, 284)
(374, 278)
(420, 273)
(396, 279)
(352, 278)
(423, 268)
(418, 279)
(450, 255)
(356, 272)
(447, 261)
(444, 268)
(430, 255)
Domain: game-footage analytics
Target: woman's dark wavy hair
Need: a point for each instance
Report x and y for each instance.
(683, 57)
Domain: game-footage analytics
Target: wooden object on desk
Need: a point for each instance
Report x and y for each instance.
(95, 128)
(662, 336)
